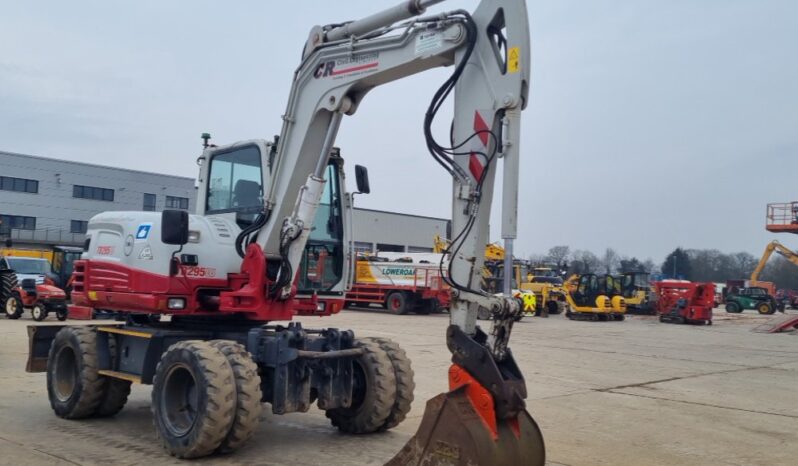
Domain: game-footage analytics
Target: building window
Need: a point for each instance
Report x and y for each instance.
(149, 202)
(383, 247)
(418, 249)
(21, 185)
(90, 192)
(361, 247)
(78, 226)
(174, 202)
(17, 222)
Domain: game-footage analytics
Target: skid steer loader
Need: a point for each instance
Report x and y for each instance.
(232, 276)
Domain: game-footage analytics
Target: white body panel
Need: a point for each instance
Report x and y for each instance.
(424, 271)
(133, 239)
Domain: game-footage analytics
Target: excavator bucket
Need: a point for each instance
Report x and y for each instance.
(460, 428)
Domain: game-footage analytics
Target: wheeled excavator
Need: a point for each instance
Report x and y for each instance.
(205, 302)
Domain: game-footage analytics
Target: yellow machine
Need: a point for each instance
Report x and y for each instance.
(493, 277)
(589, 298)
(773, 246)
(547, 286)
(636, 291)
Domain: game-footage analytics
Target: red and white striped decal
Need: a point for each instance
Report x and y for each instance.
(476, 161)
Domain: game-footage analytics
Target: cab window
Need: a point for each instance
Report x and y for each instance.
(235, 181)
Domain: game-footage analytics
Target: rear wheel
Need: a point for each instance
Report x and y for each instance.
(373, 392)
(193, 399)
(248, 395)
(397, 303)
(62, 314)
(733, 307)
(74, 386)
(38, 312)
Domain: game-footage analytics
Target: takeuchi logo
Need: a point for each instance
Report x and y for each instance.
(397, 271)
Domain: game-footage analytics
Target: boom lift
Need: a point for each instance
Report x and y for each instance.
(282, 204)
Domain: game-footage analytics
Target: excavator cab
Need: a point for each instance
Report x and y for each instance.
(239, 175)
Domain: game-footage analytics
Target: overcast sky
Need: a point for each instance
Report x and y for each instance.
(652, 124)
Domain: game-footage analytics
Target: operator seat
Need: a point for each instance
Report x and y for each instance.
(246, 194)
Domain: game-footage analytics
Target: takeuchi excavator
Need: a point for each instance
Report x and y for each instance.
(204, 302)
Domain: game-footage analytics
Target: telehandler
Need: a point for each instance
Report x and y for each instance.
(229, 276)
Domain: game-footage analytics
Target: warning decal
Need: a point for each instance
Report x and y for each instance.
(514, 59)
(427, 42)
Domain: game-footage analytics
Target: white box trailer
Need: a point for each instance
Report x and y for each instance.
(400, 282)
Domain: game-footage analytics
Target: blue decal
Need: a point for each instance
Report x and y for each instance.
(144, 231)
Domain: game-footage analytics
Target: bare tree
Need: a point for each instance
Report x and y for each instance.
(584, 262)
(610, 260)
(559, 255)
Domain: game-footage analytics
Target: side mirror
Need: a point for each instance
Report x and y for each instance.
(362, 179)
(174, 227)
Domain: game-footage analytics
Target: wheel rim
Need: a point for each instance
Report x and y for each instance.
(395, 303)
(37, 312)
(66, 373)
(11, 305)
(179, 400)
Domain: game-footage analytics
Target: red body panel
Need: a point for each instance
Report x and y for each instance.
(43, 292)
(110, 286)
(700, 299)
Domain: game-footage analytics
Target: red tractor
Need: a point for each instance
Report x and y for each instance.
(25, 284)
(685, 302)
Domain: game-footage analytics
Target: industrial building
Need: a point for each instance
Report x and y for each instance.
(49, 201)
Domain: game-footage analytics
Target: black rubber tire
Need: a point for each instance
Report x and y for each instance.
(8, 286)
(74, 387)
(17, 306)
(403, 371)
(733, 308)
(196, 363)
(62, 314)
(374, 392)
(38, 312)
(397, 303)
(552, 307)
(248, 395)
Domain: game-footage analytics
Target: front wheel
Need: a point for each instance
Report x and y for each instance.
(765, 308)
(193, 399)
(38, 312)
(62, 314)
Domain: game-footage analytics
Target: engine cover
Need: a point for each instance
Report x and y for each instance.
(133, 240)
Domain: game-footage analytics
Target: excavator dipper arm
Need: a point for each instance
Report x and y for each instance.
(490, 52)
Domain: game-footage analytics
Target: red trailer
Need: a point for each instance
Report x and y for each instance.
(402, 283)
(685, 302)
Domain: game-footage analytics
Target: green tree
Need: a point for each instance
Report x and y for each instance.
(677, 265)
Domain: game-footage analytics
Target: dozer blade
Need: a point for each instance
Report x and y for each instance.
(453, 433)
